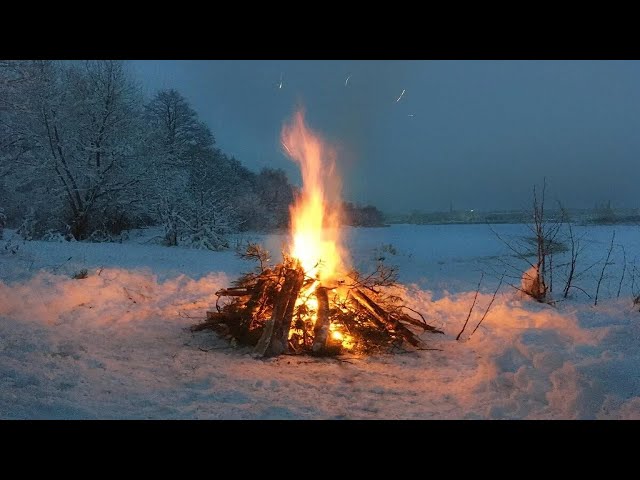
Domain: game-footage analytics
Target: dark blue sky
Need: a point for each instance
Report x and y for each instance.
(480, 135)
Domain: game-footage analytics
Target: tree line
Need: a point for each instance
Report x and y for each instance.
(83, 153)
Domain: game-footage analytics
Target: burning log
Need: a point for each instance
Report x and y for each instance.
(283, 323)
(321, 329)
(281, 310)
(265, 339)
(257, 300)
(382, 318)
(275, 338)
(233, 292)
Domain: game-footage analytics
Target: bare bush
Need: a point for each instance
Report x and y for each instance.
(536, 280)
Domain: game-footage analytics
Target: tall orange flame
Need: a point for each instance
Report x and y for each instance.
(315, 214)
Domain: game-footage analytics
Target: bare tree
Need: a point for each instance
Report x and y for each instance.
(536, 280)
(176, 137)
(545, 234)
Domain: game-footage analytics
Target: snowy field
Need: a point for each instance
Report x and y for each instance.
(117, 344)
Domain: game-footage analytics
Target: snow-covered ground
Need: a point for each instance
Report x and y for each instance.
(117, 345)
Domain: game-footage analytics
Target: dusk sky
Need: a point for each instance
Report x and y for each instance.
(478, 134)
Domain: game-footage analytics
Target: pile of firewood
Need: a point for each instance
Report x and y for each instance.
(280, 310)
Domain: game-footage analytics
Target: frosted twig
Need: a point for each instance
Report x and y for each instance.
(581, 289)
(519, 255)
(488, 307)
(606, 262)
(624, 269)
(472, 305)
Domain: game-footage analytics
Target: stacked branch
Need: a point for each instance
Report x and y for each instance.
(281, 310)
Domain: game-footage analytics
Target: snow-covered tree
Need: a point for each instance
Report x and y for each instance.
(12, 78)
(3, 221)
(191, 187)
(212, 209)
(268, 208)
(174, 132)
(78, 124)
(81, 153)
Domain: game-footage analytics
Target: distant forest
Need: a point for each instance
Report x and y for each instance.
(85, 156)
(601, 214)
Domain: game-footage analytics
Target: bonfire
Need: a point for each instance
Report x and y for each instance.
(313, 302)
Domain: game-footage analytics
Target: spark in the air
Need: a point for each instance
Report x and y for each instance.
(346, 82)
(401, 95)
(280, 84)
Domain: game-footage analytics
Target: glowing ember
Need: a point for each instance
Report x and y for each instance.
(315, 214)
(337, 336)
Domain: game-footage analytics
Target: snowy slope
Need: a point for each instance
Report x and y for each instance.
(117, 344)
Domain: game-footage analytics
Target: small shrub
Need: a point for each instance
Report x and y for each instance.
(28, 228)
(100, 236)
(11, 246)
(54, 236)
